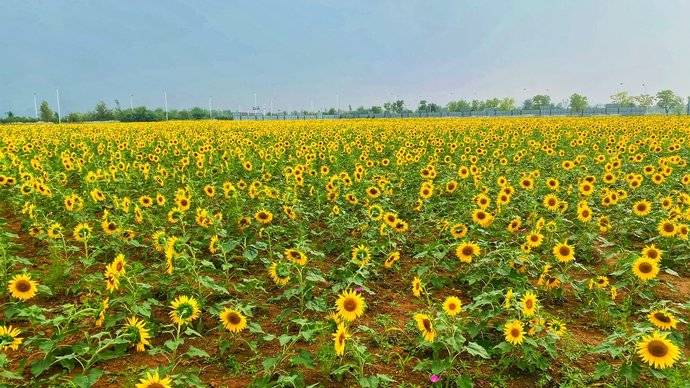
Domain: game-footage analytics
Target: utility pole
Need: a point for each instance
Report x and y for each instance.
(131, 102)
(165, 97)
(57, 93)
(35, 106)
(210, 107)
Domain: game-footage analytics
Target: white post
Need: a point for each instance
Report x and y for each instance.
(210, 111)
(131, 102)
(165, 97)
(35, 106)
(57, 93)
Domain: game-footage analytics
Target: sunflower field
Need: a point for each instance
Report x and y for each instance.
(483, 252)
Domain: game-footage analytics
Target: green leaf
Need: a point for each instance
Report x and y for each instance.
(475, 349)
(196, 352)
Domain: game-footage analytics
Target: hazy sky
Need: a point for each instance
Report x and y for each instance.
(302, 52)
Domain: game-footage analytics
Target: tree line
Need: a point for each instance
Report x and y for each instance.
(664, 99)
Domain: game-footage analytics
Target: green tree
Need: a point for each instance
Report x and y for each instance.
(668, 101)
(578, 102)
(102, 112)
(623, 99)
(376, 109)
(541, 101)
(644, 100)
(459, 106)
(507, 104)
(422, 106)
(46, 113)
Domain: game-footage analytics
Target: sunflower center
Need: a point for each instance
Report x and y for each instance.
(155, 385)
(645, 268)
(662, 317)
(427, 324)
(23, 286)
(534, 238)
(652, 254)
(452, 307)
(234, 318)
(350, 304)
(668, 227)
(515, 332)
(657, 348)
(467, 251)
(529, 303)
(564, 251)
(641, 207)
(481, 215)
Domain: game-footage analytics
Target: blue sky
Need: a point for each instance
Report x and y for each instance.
(299, 53)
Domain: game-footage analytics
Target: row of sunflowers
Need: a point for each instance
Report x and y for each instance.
(446, 252)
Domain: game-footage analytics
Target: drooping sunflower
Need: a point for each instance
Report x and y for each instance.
(514, 332)
(528, 303)
(657, 351)
(82, 232)
(564, 252)
(139, 332)
(361, 255)
(645, 268)
(662, 319)
(339, 338)
(452, 306)
(9, 338)
(279, 274)
(184, 310)
(350, 305)
(22, 287)
(417, 287)
(153, 380)
(233, 320)
(557, 327)
(392, 258)
(425, 326)
(466, 251)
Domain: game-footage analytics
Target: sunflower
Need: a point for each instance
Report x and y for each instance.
(263, 216)
(662, 319)
(482, 218)
(184, 310)
(514, 225)
(642, 208)
(551, 202)
(657, 351)
(425, 326)
(296, 256)
(564, 252)
(233, 320)
(9, 338)
(153, 380)
(557, 327)
(361, 255)
(666, 228)
(534, 239)
(458, 231)
(466, 251)
(390, 219)
(645, 269)
(417, 287)
(139, 332)
(652, 252)
(22, 287)
(279, 274)
(101, 314)
(513, 332)
(339, 337)
(528, 303)
(584, 214)
(118, 265)
(508, 299)
(391, 259)
(82, 232)
(350, 305)
(452, 306)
